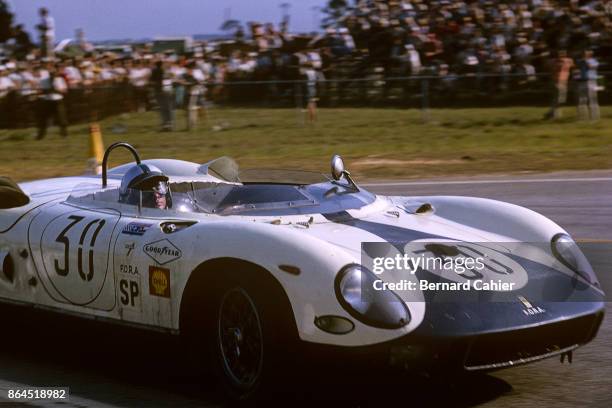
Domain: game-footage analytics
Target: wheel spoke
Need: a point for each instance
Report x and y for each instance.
(240, 336)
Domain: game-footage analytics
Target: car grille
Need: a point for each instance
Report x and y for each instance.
(503, 349)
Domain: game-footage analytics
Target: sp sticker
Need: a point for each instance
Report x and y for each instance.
(136, 228)
(159, 281)
(130, 293)
(162, 251)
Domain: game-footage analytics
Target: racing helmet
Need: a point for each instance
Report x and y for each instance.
(140, 177)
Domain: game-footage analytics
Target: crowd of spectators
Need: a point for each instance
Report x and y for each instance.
(488, 36)
(508, 41)
(92, 84)
(431, 37)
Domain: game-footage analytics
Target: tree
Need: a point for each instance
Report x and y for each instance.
(6, 22)
(235, 26)
(334, 10)
(231, 25)
(285, 12)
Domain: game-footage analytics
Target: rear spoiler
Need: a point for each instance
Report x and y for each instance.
(11, 195)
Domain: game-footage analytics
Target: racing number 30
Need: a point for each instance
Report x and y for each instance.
(63, 239)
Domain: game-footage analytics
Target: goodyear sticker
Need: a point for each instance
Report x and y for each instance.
(159, 281)
(162, 251)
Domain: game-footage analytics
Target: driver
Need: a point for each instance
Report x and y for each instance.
(146, 182)
(160, 193)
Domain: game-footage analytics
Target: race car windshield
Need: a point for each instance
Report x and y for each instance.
(91, 192)
(278, 176)
(220, 198)
(269, 198)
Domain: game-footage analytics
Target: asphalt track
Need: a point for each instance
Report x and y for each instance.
(116, 371)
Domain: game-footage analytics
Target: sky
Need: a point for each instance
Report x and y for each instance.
(120, 19)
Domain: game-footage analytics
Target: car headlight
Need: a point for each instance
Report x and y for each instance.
(378, 308)
(565, 249)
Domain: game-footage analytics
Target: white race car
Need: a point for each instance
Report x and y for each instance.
(254, 271)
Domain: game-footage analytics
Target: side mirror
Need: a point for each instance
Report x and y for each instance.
(338, 172)
(337, 167)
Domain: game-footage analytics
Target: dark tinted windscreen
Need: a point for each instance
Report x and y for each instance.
(224, 198)
(257, 194)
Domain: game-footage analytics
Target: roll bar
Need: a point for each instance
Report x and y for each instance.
(107, 153)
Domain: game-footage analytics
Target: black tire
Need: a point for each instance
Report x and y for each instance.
(249, 354)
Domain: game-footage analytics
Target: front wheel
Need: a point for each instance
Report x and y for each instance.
(240, 340)
(252, 335)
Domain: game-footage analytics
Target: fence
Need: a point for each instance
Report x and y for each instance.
(477, 90)
(420, 92)
(82, 105)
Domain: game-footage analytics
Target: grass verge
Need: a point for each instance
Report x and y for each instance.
(376, 143)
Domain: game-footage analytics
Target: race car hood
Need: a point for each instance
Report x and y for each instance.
(389, 221)
(545, 290)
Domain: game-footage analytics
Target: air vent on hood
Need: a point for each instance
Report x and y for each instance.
(425, 208)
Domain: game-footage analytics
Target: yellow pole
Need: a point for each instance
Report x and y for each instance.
(96, 149)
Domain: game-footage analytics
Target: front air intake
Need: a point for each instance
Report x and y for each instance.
(498, 350)
(7, 266)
